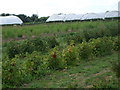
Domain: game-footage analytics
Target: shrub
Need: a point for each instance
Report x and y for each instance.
(101, 46)
(35, 65)
(116, 43)
(85, 50)
(12, 49)
(54, 60)
(70, 55)
(26, 46)
(51, 42)
(39, 44)
(17, 71)
(13, 72)
(76, 37)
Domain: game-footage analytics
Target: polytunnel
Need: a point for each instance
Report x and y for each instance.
(5, 20)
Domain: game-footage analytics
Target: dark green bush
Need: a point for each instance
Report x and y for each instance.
(70, 55)
(116, 43)
(35, 65)
(12, 49)
(51, 42)
(54, 60)
(39, 44)
(13, 72)
(17, 71)
(101, 46)
(85, 51)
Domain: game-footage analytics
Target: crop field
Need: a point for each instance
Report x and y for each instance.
(29, 31)
(61, 55)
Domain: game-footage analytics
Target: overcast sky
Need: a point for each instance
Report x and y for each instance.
(49, 7)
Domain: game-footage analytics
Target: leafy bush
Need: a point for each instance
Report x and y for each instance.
(39, 44)
(54, 60)
(17, 71)
(22, 47)
(35, 65)
(76, 37)
(13, 72)
(85, 51)
(70, 55)
(51, 42)
(26, 46)
(101, 46)
(12, 49)
(116, 43)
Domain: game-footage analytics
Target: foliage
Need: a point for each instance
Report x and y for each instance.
(70, 55)
(54, 59)
(85, 50)
(101, 46)
(51, 42)
(35, 65)
(116, 43)
(109, 84)
(12, 49)
(116, 67)
(39, 44)
(13, 72)
(26, 60)
(87, 29)
(17, 71)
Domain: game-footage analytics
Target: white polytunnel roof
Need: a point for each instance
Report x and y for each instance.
(87, 16)
(69, 17)
(56, 17)
(100, 15)
(73, 17)
(111, 14)
(5, 20)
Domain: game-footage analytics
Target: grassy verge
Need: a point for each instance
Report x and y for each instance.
(84, 75)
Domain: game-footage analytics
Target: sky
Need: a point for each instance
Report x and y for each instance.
(50, 7)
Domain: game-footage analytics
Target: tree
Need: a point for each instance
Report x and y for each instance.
(34, 17)
(23, 17)
(43, 19)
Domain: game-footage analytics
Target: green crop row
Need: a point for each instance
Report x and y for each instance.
(24, 67)
(89, 29)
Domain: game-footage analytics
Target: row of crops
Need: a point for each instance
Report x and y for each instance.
(98, 27)
(23, 62)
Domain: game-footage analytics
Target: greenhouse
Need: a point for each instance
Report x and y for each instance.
(7, 20)
(82, 17)
(111, 14)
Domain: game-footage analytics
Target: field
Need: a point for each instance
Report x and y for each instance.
(58, 55)
(105, 27)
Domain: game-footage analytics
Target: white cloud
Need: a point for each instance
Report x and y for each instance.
(49, 7)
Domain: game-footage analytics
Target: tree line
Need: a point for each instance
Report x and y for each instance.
(28, 19)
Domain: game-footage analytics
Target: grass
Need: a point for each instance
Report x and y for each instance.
(52, 28)
(83, 75)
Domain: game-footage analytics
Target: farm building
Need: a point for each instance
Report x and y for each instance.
(83, 17)
(7, 20)
(92, 16)
(112, 14)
